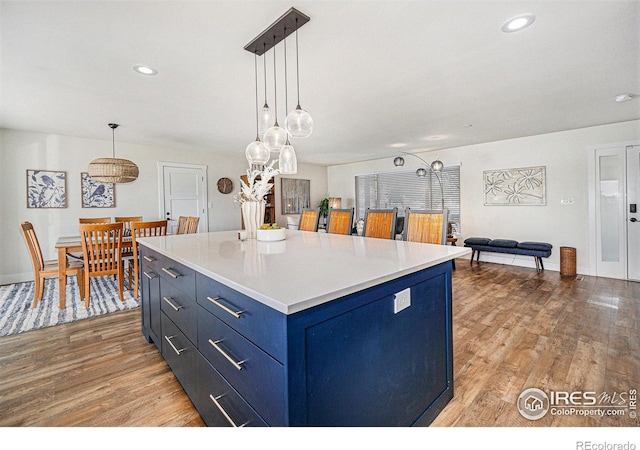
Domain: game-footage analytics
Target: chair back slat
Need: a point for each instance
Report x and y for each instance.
(187, 224)
(146, 229)
(101, 245)
(426, 226)
(309, 219)
(380, 223)
(94, 220)
(340, 221)
(33, 245)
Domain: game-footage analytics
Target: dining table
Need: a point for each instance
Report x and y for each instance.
(71, 244)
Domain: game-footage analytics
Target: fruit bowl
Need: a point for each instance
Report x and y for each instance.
(271, 234)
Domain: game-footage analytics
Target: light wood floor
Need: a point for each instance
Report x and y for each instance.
(513, 329)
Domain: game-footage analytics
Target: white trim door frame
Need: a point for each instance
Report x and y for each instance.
(608, 210)
(182, 191)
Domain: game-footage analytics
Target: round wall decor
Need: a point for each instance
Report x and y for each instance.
(225, 185)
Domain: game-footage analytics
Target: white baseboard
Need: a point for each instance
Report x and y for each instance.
(16, 278)
(522, 261)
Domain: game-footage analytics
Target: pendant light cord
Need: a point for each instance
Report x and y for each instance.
(286, 95)
(275, 83)
(297, 65)
(255, 65)
(264, 63)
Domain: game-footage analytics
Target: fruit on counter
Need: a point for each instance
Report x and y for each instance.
(266, 226)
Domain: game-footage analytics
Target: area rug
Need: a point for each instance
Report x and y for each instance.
(17, 314)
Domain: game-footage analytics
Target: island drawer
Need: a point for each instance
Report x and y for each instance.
(218, 403)
(262, 325)
(180, 354)
(253, 373)
(175, 273)
(180, 308)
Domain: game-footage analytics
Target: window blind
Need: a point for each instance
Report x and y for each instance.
(404, 189)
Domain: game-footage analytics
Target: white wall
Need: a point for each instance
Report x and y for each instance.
(22, 150)
(565, 155)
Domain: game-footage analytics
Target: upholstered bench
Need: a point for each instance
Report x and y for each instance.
(538, 250)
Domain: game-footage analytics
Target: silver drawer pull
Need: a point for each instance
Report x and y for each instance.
(149, 258)
(150, 275)
(224, 413)
(168, 339)
(215, 301)
(168, 300)
(170, 273)
(236, 364)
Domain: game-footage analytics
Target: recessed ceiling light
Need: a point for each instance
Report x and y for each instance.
(518, 23)
(623, 97)
(145, 70)
(398, 145)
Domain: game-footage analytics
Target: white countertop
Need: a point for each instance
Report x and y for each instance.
(306, 269)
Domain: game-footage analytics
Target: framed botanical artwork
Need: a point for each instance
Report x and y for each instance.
(46, 189)
(96, 194)
(295, 195)
(522, 186)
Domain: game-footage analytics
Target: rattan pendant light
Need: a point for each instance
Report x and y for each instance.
(113, 170)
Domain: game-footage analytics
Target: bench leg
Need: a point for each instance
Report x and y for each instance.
(473, 253)
(539, 265)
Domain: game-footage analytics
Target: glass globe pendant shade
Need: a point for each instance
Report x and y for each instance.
(287, 161)
(398, 161)
(421, 172)
(299, 123)
(275, 137)
(265, 120)
(437, 165)
(257, 153)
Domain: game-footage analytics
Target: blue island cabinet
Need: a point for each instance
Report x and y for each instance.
(351, 361)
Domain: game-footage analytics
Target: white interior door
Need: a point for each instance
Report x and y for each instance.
(633, 212)
(183, 192)
(611, 249)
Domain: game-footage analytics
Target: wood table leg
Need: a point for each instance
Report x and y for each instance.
(62, 276)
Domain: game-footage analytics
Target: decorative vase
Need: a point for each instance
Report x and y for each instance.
(253, 217)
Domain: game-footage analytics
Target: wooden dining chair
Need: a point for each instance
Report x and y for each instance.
(182, 225)
(309, 219)
(426, 226)
(127, 251)
(192, 225)
(380, 223)
(187, 225)
(94, 220)
(340, 220)
(47, 269)
(101, 247)
(143, 229)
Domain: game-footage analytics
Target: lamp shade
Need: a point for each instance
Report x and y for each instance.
(299, 123)
(287, 161)
(275, 137)
(113, 170)
(257, 153)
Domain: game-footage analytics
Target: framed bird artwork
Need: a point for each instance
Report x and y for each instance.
(96, 194)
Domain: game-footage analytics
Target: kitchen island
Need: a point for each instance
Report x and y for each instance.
(314, 330)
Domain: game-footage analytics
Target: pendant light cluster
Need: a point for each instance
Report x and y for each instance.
(298, 123)
(113, 170)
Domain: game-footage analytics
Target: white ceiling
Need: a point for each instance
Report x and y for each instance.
(428, 74)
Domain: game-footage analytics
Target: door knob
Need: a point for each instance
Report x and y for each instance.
(633, 219)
